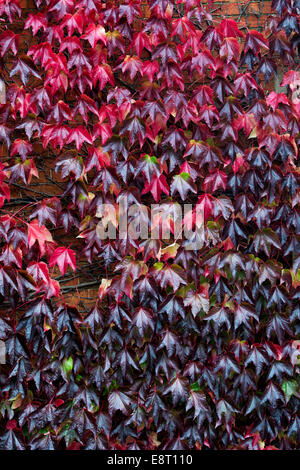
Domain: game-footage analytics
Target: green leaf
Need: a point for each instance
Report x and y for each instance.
(185, 175)
(289, 388)
(159, 265)
(195, 387)
(67, 366)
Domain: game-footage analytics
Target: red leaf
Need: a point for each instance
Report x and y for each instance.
(36, 22)
(24, 66)
(230, 49)
(95, 33)
(52, 288)
(12, 424)
(205, 205)
(39, 271)
(56, 134)
(157, 186)
(245, 82)
(58, 402)
(40, 234)
(133, 65)
(21, 147)
(230, 28)
(104, 74)
(140, 41)
(103, 130)
(150, 68)
(169, 275)
(9, 41)
(214, 181)
(73, 22)
(79, 135)
(182, 26)
(63, 257)
(255, 41)
(290, 77)
(182, 184)
(274, 99)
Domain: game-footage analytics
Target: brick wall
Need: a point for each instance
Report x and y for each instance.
(252, 12)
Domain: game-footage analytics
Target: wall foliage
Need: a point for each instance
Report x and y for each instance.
(157, 102)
